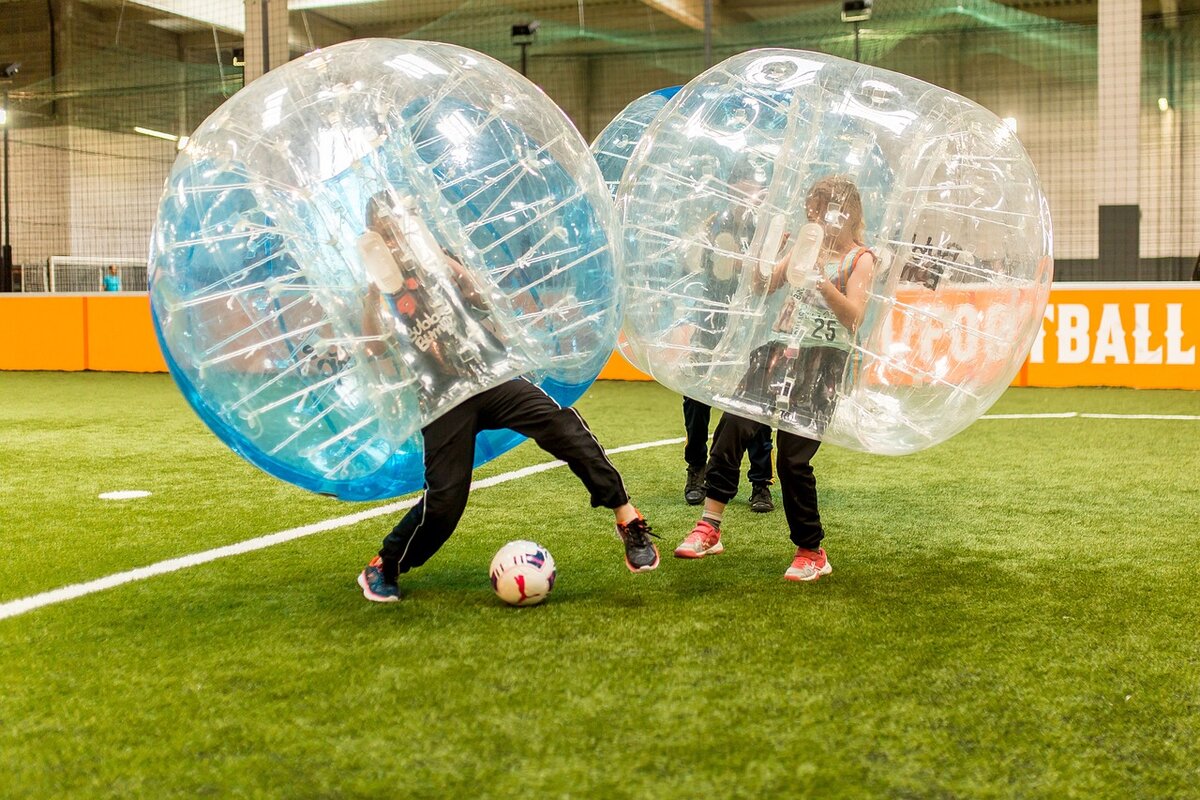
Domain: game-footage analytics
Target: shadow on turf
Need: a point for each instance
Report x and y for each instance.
(898, 567)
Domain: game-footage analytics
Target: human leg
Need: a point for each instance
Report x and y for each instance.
(696, 417)
(449, 452)
(705, 537)
(759, 450)
(561, 432)
(564, 434)
(760, 473)
(730, 440)
(799, 488)
(829, 366)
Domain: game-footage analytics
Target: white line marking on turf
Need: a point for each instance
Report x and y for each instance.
(1082, 415)
(15, 608)
(1173, 417)
(1062, 415)
(124, 494)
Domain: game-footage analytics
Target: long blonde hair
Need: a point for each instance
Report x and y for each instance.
(841, 190)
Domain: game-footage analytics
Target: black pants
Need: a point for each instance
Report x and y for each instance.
(796, 480)
(450, 451)
(696, 416)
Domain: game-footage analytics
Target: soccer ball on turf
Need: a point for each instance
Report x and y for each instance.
(522, 573)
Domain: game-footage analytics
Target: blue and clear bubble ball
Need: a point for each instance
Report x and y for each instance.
(616, 143)
(836, 250)
(364, 238)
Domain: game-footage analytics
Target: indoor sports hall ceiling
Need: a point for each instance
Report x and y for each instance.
(394, 18)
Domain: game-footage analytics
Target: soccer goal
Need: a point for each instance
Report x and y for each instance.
(31, 278)
(80, 274)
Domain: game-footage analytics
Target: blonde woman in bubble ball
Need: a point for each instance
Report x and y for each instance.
(797, 371)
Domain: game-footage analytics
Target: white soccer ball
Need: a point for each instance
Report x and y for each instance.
(522, 573)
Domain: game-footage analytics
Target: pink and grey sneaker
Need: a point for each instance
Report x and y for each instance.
(374, 586)
(640, 553)
(808, 565)
(704, 540)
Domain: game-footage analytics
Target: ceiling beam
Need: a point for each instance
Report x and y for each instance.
(308, 30)
(128, 13)
(228, 15)
(390, 30)
(746, 5)
(689, 12)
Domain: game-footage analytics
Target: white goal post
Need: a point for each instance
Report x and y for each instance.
(83, 274)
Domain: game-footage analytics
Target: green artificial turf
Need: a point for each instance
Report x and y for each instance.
(1011, 614)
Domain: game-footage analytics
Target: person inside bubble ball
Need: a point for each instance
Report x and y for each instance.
(798, 370)
(729, 230)
(449, 439)
(429, 299)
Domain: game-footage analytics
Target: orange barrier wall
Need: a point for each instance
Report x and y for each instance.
(75, 332)
(1143, 335)
(1140, 335)
(618, 369)
(44, 332)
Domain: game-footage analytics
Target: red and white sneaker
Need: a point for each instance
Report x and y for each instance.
(704, 540)
(808, 565)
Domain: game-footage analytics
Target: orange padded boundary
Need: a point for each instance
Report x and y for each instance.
(76, 332)
(1111, 334)
(1143, 335)
(618, 369)
(42, 332)
(120, 336)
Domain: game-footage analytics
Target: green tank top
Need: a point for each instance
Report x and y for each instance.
(805, 320)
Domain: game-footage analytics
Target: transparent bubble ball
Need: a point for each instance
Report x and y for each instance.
(363, 239)
(839, 251)
(616, 143)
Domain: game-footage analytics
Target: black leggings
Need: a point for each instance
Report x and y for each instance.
(450, 451)
(695, 452)
(792, 460)
(805, 384)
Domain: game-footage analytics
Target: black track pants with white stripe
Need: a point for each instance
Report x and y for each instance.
(450, 451)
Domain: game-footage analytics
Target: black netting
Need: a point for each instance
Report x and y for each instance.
(97, 110)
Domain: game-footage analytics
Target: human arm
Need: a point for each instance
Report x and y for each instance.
(374, 345)
(849, 307)
(767, 284)
(468, 284)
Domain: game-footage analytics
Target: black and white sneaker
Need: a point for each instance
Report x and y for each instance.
(693, 490)
(640, 553)
(760, 499)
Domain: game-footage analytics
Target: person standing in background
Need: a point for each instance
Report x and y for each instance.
(112, 279)
(696, 416)
(731, 229)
